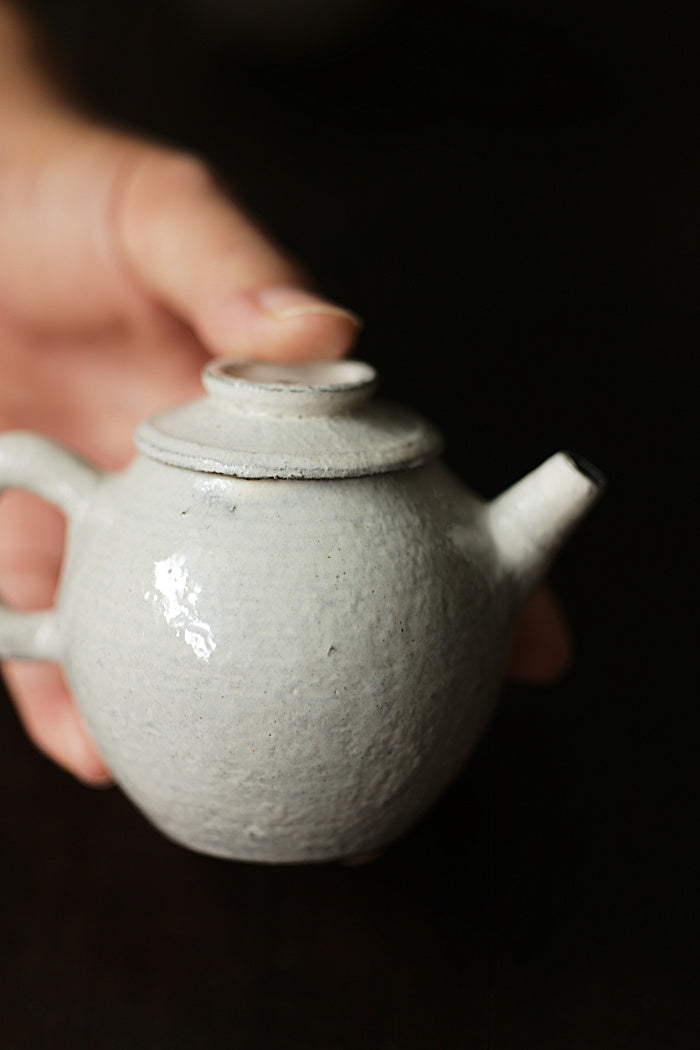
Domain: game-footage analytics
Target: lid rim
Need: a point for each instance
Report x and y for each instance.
(208, 460)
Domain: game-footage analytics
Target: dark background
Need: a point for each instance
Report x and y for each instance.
(510, 195)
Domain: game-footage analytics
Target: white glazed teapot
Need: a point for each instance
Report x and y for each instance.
(285, 622)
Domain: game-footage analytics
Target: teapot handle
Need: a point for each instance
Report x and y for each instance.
(34, 463)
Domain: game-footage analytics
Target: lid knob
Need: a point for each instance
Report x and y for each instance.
(307, 388)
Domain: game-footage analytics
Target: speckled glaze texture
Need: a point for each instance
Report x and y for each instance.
(311, 699)
(286, 670)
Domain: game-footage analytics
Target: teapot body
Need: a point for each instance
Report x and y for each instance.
(283, 670)
(286, 623)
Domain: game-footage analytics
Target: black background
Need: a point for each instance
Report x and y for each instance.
(510, 196)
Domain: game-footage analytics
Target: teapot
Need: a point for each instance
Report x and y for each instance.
(286, 622)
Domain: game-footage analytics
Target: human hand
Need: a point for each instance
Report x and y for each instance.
(123, 267)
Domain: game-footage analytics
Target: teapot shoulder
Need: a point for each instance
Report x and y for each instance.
(427, 498)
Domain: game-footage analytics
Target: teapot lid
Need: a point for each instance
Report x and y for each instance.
(316, 419)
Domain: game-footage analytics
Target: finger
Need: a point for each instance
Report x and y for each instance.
(542, 646)
(189, 245)
(52, 721)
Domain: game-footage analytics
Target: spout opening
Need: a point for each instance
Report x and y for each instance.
(585, 467)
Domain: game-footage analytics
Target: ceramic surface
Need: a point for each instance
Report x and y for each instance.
(285, 622)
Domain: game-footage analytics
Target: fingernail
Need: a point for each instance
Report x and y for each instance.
(103, 780)
(87, 762)
(286, 304)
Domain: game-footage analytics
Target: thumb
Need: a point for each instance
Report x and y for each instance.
(190, 246)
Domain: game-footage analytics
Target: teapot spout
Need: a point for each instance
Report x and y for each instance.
(530, 521)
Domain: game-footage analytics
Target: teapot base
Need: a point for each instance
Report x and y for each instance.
(273, 854)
